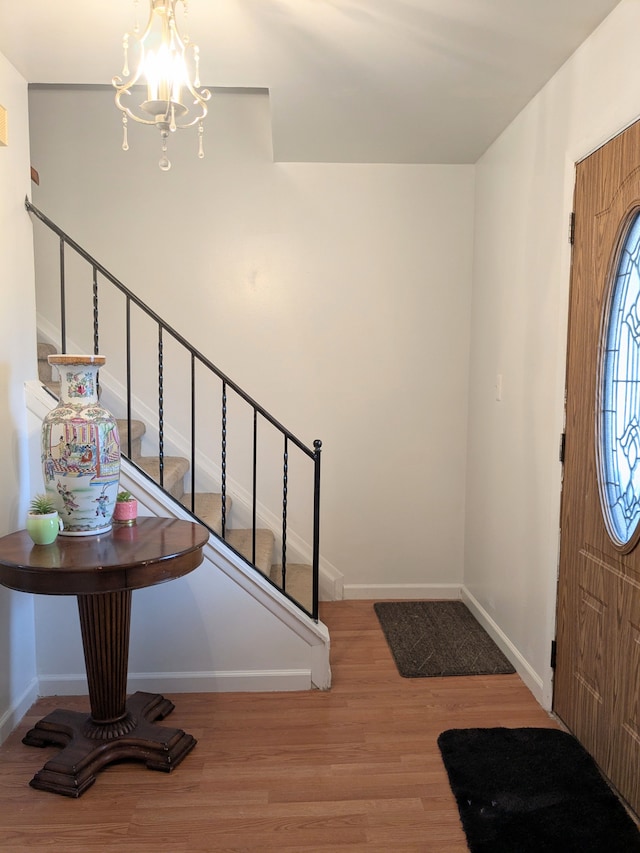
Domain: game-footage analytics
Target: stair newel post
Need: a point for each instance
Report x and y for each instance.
(317, 447)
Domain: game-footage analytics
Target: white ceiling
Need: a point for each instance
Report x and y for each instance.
(365, 81)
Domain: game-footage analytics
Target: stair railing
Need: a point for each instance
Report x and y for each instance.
(227, 385)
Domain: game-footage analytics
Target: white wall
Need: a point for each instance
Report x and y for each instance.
(337, 295)
(17, 364)
(524, 189)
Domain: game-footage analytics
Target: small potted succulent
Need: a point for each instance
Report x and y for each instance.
(43, 522)
(126, 509)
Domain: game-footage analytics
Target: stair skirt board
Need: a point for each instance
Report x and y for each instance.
(187, 682)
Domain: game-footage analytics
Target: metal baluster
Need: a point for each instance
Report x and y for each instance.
(160, 407)
(255, 485)
(223, 484)
(193, 433)
(317, 445)
(285, 487)
(128, 347)
(63, 310)
(96, 349)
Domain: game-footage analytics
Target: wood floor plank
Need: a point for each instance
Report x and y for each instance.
(355, 768)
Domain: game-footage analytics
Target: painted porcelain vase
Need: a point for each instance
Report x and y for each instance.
(81, 449)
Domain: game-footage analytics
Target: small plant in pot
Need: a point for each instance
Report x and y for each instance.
(126, 509)
(43, 522)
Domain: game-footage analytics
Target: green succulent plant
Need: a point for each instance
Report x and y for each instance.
(42, 505)
(124, 495)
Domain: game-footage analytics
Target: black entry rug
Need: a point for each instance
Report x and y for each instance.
(434, 638)
(533, 791)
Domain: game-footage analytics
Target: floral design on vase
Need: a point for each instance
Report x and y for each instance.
(81, 449)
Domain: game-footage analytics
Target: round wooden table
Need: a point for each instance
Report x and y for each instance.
(102, 571)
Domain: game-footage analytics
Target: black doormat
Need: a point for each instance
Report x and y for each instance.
(434, 638)
(533, 791)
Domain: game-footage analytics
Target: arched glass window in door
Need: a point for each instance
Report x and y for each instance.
(619, 434)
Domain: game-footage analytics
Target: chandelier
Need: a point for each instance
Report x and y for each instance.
(167, 66)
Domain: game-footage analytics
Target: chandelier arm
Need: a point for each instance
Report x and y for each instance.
(139, 118)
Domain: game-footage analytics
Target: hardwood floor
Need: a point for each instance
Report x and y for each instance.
(356, 768)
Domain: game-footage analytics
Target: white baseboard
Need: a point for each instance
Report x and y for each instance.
(522, 666)
(220, 682)
(188, 682)
(330, 582)
(12, 716)
(431, 591)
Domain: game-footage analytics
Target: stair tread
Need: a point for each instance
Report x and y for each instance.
(45, 349)
(175, 467)
(138, 429)
(54, 387)
(299, 582)
(241, 540)
(44, 368)
(208, 507)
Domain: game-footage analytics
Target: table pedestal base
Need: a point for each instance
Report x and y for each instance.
(89, 746)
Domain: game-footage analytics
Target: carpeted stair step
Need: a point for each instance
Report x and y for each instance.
(44, 368)
(208, 508)
(54, 387)
(45, 371)
(175, 468)
(138, 429)
(241, 540)
(299, 582)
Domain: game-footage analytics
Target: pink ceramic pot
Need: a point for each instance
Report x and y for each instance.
(126, 512)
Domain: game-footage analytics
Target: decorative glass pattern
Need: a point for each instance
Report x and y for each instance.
(620, 415)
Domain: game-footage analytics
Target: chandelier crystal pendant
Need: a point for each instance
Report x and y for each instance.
(167, 65)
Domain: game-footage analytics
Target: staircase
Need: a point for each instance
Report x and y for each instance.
(207, 506)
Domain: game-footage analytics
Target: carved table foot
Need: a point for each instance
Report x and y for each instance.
(89, 746)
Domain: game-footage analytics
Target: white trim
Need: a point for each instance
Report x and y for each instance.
(355, 591)
(220, 682)
(524, 669)
(188, 682)
(330, 582)
(12, 716)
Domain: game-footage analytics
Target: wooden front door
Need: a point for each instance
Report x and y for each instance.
(597, 678)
